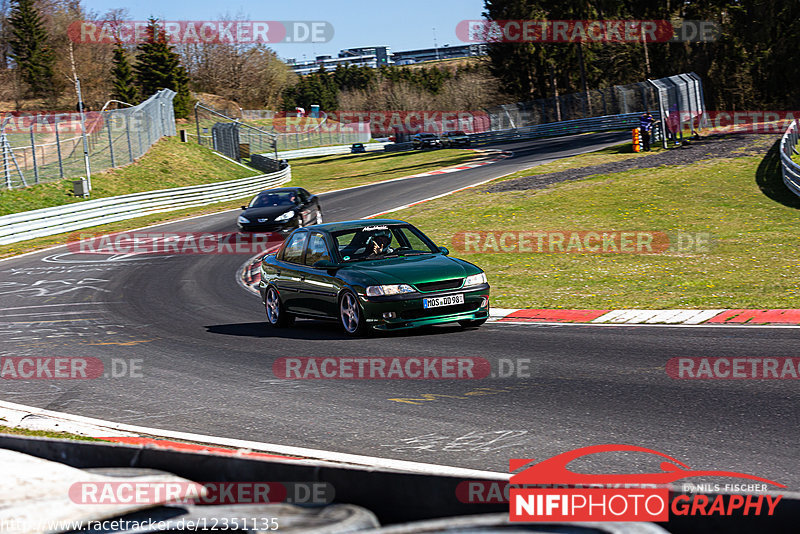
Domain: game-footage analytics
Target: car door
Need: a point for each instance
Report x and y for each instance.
(290, 269)
(319, 287)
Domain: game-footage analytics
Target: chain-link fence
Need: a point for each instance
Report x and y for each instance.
(229, 135)
(266, 132)
(679, 98)
(616, 100)
(43, 147)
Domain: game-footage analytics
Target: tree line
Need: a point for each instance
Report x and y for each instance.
(37, 60)
(466, 86)
(752, 64)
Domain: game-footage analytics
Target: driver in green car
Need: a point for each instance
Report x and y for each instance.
(380, 245)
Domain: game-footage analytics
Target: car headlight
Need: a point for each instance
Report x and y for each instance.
(475, 280)
(243, 220)
(285, 217)
(394, 289)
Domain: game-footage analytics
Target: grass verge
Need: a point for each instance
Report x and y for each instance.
(43, 433)
(327, 173)
(752, 261)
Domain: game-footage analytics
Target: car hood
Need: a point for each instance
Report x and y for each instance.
(414, 269)
(268, 212)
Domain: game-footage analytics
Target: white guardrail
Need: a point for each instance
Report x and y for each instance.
(791, 170)
(70, 217)
(325, 151)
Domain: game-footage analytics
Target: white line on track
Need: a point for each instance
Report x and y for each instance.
(314, 454)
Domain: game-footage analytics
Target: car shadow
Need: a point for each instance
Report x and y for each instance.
(319, 330)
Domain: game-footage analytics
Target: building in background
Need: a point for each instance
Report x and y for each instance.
(379, 56)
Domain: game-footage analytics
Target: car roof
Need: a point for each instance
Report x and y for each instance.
(350, 225)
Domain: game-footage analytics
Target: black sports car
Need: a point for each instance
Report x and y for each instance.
(280, 210)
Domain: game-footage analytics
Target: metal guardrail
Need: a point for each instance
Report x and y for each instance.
(327, 151)
(552, 129)
(791, 170)
(60, 219)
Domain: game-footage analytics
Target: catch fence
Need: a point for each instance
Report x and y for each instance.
(44, 147)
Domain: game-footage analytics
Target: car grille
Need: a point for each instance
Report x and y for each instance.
(441, 285)
(422, 313)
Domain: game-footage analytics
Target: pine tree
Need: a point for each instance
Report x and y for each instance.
(124, 80)
(30, 49)
(159, 67)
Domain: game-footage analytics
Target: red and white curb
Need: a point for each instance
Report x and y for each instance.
(500, 155)
(789, 317)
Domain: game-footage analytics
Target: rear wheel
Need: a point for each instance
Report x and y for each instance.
(276, 314)
(471, 323)
(351, 316)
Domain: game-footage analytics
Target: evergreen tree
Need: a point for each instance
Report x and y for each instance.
(159, 67)
(30, 49)
(124, 80)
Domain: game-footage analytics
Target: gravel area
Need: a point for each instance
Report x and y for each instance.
(723, 146)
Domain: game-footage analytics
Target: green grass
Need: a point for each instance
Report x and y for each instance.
(327, 173)
(43, 433)
(168, 164)
(611, 154)
(753, 261)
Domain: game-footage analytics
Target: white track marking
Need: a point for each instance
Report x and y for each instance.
(313, 454)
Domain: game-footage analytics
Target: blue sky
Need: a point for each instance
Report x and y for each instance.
(401, 25)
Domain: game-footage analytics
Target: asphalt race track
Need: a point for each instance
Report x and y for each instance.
(204, 357)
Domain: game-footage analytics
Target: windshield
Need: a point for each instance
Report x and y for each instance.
(276, 198)
(381, 241)
(456, 133)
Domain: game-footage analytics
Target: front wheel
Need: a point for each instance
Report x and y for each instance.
(471, 323)
(319, 216)
(351, 316)
(277, 316)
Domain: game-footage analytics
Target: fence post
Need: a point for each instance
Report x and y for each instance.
(139, 136)
(128, 135)
(33, 151)
(110, 139)
(58, 150)
(6, 170)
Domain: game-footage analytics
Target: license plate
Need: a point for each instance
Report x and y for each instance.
(436, 302)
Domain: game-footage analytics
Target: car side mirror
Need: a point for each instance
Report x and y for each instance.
(444, 250)
(244, 207)
(325, 264)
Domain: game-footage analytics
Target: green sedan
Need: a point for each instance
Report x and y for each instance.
(382, 274)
